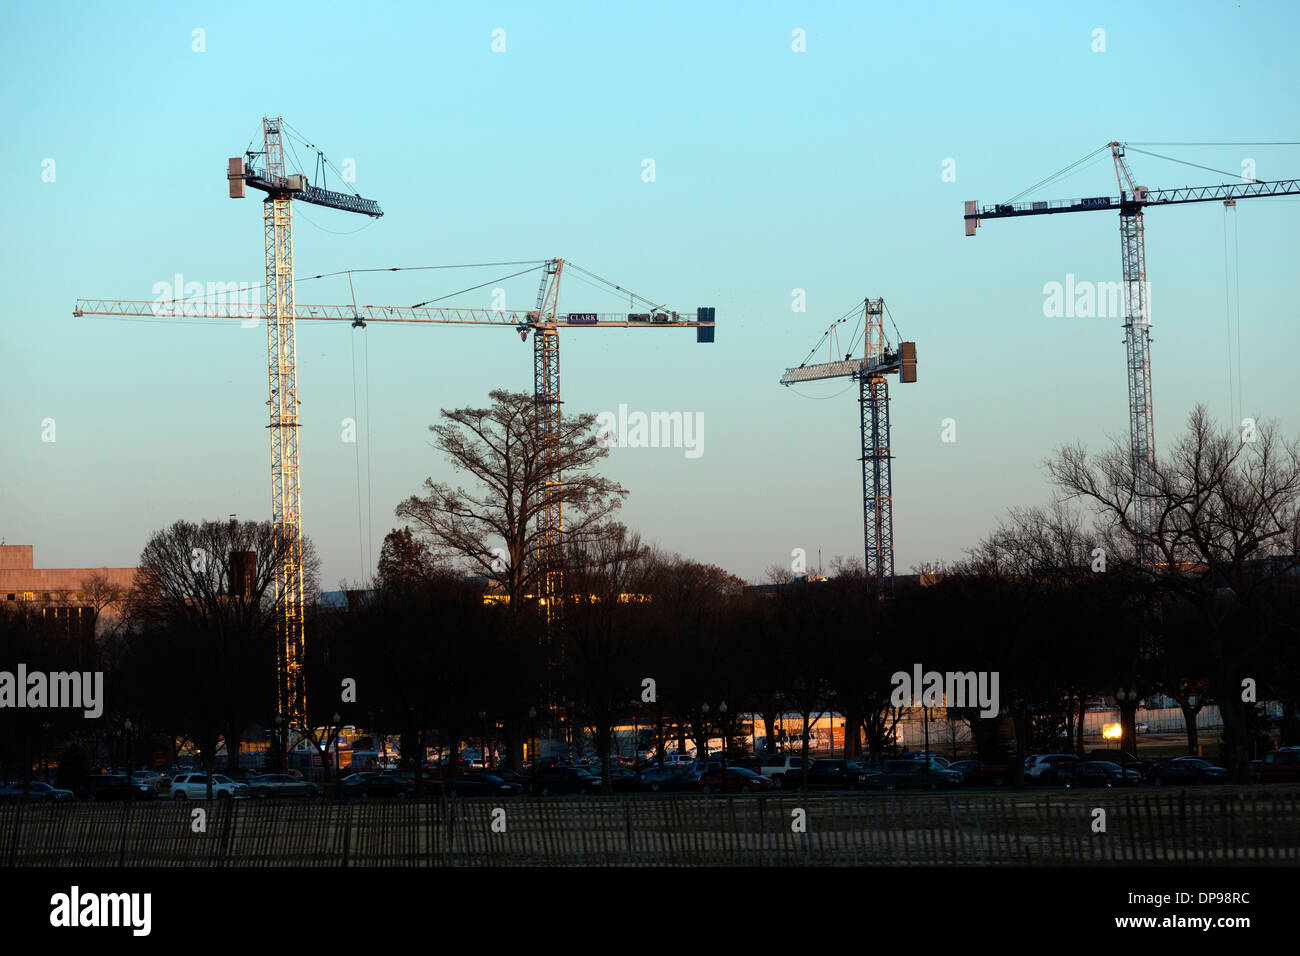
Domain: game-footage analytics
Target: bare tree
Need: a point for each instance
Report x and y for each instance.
(1225, 534)
(105, 600)
(603, 634)
(493, 527)
(200, 606)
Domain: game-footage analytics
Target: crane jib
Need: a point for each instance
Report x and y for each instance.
(1127, 202)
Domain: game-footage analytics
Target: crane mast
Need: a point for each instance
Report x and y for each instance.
(286, 493)
(281, 188)
(877, 361)
(546, 392)
(877, 486)
(1137, 347)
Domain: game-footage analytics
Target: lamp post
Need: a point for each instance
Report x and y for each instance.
(532, 725)
(726, 737)
(483, 746)
(280, 757)
(704, 709)
(126, 725)
(338, 722)
(1127, 700)
(925, 715)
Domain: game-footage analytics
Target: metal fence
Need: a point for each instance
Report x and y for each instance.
(1176, 828)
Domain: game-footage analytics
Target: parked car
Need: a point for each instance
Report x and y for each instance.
(243, 775)
(371, 784)
(34, 792)
(151, 778)
(699, 768)
(1187, 770)
(666, 777)
(480, 784)
(941, 760)
(194, 786)
(280, 785)
(1099, 773)
(1279, 765)
(509, 776)
(1142, 765)
(563, 780)
(734, 780)
(676, 759)
(107, 787)
(1048, 769)
(976, 773)
(914, 774)
(834, 774)
(782, 769)
(622, 779)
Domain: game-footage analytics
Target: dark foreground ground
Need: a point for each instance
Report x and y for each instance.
(1178, 827)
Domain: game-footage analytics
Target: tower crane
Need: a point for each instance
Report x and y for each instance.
(878, 360)
(281, 189)
(1130, 203)
(544, 322)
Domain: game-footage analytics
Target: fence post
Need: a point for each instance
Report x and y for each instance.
(346, 809)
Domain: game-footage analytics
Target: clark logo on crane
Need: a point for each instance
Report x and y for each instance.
(878, 360)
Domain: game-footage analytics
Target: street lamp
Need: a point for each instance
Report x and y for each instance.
(338, 721)
(280, 757)
(126, 725)
(726, 742)
(482, 716)
(1127, 700)
(704, 709)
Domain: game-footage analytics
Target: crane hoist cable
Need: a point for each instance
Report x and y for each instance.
(821, 398)
(361, 546)
(1227, 311)
(367, 537)
(336, 232)
(1228, 290)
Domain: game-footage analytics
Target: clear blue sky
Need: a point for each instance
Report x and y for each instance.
(775, 170)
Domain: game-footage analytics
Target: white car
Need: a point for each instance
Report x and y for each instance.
(1049, 768)
(779, 766)
(675, 759)
(194, 786)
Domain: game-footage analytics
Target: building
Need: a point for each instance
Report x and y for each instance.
(66, 592)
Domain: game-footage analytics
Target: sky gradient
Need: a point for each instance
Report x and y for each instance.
(775, 170)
